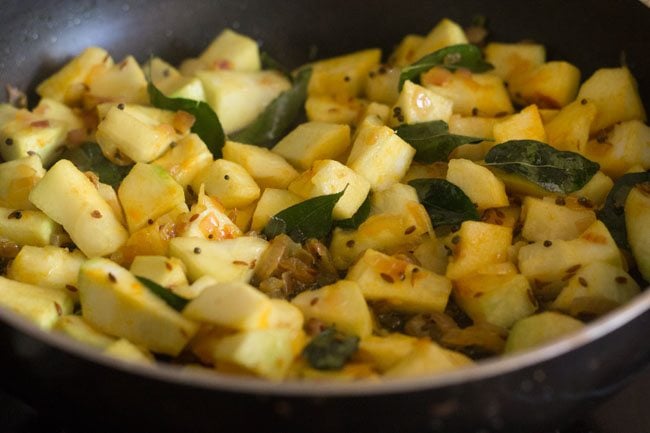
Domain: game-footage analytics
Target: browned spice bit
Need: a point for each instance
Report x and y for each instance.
(573, 269)
(120, 106)
(402, 276)
(15, 215)
(346, 78)
(252, 264)
(567, 277)
(382, 70)
(501, 114)
(500, 214)
(150, 221)
(583, 101)
(40, 124)
(96, 214)
(515, 201)
(350, 243)
(415, 270)
(172, 144)
(31, 153)
(478, 294)
(371, 74)
(474, 111)
(197, 250)
(620, 280)
(409, 230)
(194, 217)
(498, 222)
(601, 136)
(211, 236)
(9, 141)
(582, 282)
(455, 228)
(59, 310)
(548, 243)
(560, 201)
(387, 278)
(226, 177)
(239, 262)
(449, 251)
(585, 202)
(112, 278)
(314, 301)
(166, 72)
(71, 288)
(455, 239)
(168, 266)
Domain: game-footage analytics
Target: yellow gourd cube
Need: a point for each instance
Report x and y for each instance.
(405, 286)
(510, 59)
(343, 76)
(185, 159)
(615, 93)
(271, 202)
(341, 305)
(551, 85)
(525, 125)
(545, 220)
(229, 182)
(417, 104)
(478, 183)
(479, 244)
(380, 156)
(444, 34)
(569, 129)
(313, 141)
(330, 177)
(269, 169)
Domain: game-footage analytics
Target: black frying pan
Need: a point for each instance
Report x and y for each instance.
(535, 391)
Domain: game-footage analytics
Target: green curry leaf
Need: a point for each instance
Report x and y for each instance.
(280, 114)
(170, 298)
(612, 214)
(554, 170)
(432, 140)
(89, 157)
(453, 57)
(445, 203)
(206, 123)
(311, 218)
(330, 349)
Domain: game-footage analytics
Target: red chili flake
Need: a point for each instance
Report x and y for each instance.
(96, 214)
(71, 288)
(409, 230)
(112, 278)
(583, 282)
(387, 278)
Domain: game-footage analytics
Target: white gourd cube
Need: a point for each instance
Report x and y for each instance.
(330, 177)
(233, 305)
(271, 202)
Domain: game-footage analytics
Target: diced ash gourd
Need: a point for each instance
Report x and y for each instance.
(535, 262)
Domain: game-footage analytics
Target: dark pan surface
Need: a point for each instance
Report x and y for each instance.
(532, 392)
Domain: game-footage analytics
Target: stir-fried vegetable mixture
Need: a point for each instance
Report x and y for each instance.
(355, 218)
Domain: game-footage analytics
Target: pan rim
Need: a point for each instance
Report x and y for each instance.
(217, 382)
